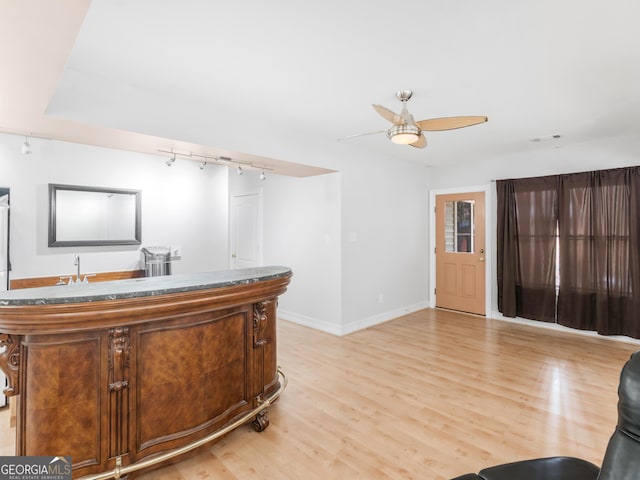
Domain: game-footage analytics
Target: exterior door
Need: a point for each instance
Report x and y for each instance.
(460, 252)
(246, 230)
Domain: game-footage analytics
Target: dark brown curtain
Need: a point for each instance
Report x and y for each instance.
(527, 236)
(599, 251)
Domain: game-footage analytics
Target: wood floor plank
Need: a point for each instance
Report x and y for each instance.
(430, 395)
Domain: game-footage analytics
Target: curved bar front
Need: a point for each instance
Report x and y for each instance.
(112, 373)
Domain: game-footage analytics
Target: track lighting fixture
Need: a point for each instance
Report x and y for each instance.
(26, 148)
(204, 160)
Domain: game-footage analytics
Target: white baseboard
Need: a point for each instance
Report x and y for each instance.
(340, 330)
(382, 317)
(310, 322)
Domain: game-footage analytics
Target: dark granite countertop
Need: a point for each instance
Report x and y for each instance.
(140, 287)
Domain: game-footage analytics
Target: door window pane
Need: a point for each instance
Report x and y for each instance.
(449, 227)
(458, 226)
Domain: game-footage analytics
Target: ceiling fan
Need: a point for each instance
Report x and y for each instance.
(407, 131)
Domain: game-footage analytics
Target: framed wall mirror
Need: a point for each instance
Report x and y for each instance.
(80, 215)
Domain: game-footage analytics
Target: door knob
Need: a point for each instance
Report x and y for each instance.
(481, 259)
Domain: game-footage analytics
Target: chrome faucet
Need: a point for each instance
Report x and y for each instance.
(77, 264)
(79, 278)
(68, 279)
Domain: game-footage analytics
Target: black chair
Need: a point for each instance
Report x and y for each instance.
(621, 460)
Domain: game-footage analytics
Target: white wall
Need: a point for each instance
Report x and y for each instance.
(181, 205)
(385, 225)
(302, 231)
(542, 160)
(356, 241)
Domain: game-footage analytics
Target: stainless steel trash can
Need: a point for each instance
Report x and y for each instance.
(157, 261)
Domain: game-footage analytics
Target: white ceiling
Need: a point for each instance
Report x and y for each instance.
(279, 82)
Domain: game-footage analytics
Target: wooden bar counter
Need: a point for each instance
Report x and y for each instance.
(117, 373)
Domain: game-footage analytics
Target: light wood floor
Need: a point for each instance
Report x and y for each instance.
(430, 395)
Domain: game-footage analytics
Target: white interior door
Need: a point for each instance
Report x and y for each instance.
(4, 242)
(4, 269)
(246, 230)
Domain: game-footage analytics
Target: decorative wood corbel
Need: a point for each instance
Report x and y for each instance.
(10, 362)
(259, 323)
(119, 353)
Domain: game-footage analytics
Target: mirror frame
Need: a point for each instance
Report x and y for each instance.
(54, 242)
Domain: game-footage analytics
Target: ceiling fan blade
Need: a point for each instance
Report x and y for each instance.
(360, 135)
(389, 115)
(449, 123)
(420, 143)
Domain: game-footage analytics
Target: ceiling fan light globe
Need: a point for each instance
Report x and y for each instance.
(404, 138)
(403, 134)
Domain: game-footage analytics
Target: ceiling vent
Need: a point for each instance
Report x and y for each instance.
(545, 139)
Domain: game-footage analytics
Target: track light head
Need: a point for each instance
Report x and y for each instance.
(239, 170)
(203, 164)
(170, 161)
(26, 148)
